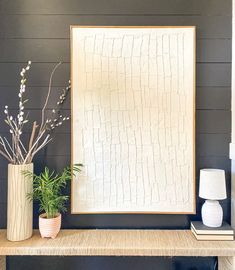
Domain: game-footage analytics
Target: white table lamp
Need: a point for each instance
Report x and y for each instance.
(212, 188)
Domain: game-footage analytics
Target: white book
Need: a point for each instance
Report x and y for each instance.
(213, 237)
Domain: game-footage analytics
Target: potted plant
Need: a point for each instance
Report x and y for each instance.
(20, 150)
(47, 190)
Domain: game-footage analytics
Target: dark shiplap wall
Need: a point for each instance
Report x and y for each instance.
(39, 31)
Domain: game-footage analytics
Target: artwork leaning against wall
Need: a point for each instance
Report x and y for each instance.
(133, 119)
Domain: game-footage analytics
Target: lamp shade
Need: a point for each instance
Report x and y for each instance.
(212, 184)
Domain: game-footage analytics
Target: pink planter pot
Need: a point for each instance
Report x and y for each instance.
(49, 227)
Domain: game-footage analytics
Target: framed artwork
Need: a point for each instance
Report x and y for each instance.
(133, 119)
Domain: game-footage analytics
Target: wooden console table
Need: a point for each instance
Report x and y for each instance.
(120, 243)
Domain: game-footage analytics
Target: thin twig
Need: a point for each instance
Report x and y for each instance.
(48, 94)
(34, 144)
(8, 144)
(39, 148)
(5, 148)
(22, 145)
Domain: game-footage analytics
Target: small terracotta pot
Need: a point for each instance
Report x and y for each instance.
(49, 227)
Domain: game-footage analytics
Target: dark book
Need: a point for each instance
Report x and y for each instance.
(202, 229)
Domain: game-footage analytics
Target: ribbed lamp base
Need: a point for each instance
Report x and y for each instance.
(212, 213)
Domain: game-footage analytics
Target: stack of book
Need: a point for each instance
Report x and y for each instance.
(202, 232)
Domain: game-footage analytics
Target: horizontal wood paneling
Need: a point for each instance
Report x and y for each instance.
(213, 98)
(57, 26)
(40, 73)
(207, 144)
(36, 96)
(208, 98)
(58, 162)
(213, 121)
(208, 121)
(208, 7)
(55, 50)
(39, 31)
(213, 75)
(213, 145)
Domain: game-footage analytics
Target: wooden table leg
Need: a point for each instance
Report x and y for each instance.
(3, 263)
(226, 263)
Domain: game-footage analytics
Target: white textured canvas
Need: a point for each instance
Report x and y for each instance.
(133, 119)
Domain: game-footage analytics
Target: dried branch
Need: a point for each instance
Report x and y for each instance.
(14, 150)
(48, 94)
(33, 146)
(5, 148)
(22, 146)
(32, 134)
(42, 145)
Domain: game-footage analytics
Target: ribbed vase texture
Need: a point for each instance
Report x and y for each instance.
(19, 207)
(49, 227)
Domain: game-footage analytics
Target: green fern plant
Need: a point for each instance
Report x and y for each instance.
(47, 189)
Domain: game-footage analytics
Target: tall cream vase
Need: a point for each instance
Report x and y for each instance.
(19, 207)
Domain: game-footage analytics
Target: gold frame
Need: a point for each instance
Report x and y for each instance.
(194, 122)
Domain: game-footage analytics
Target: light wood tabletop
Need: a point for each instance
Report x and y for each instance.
(117, 243)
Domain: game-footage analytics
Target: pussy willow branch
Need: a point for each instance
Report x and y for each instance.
(14, 150)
